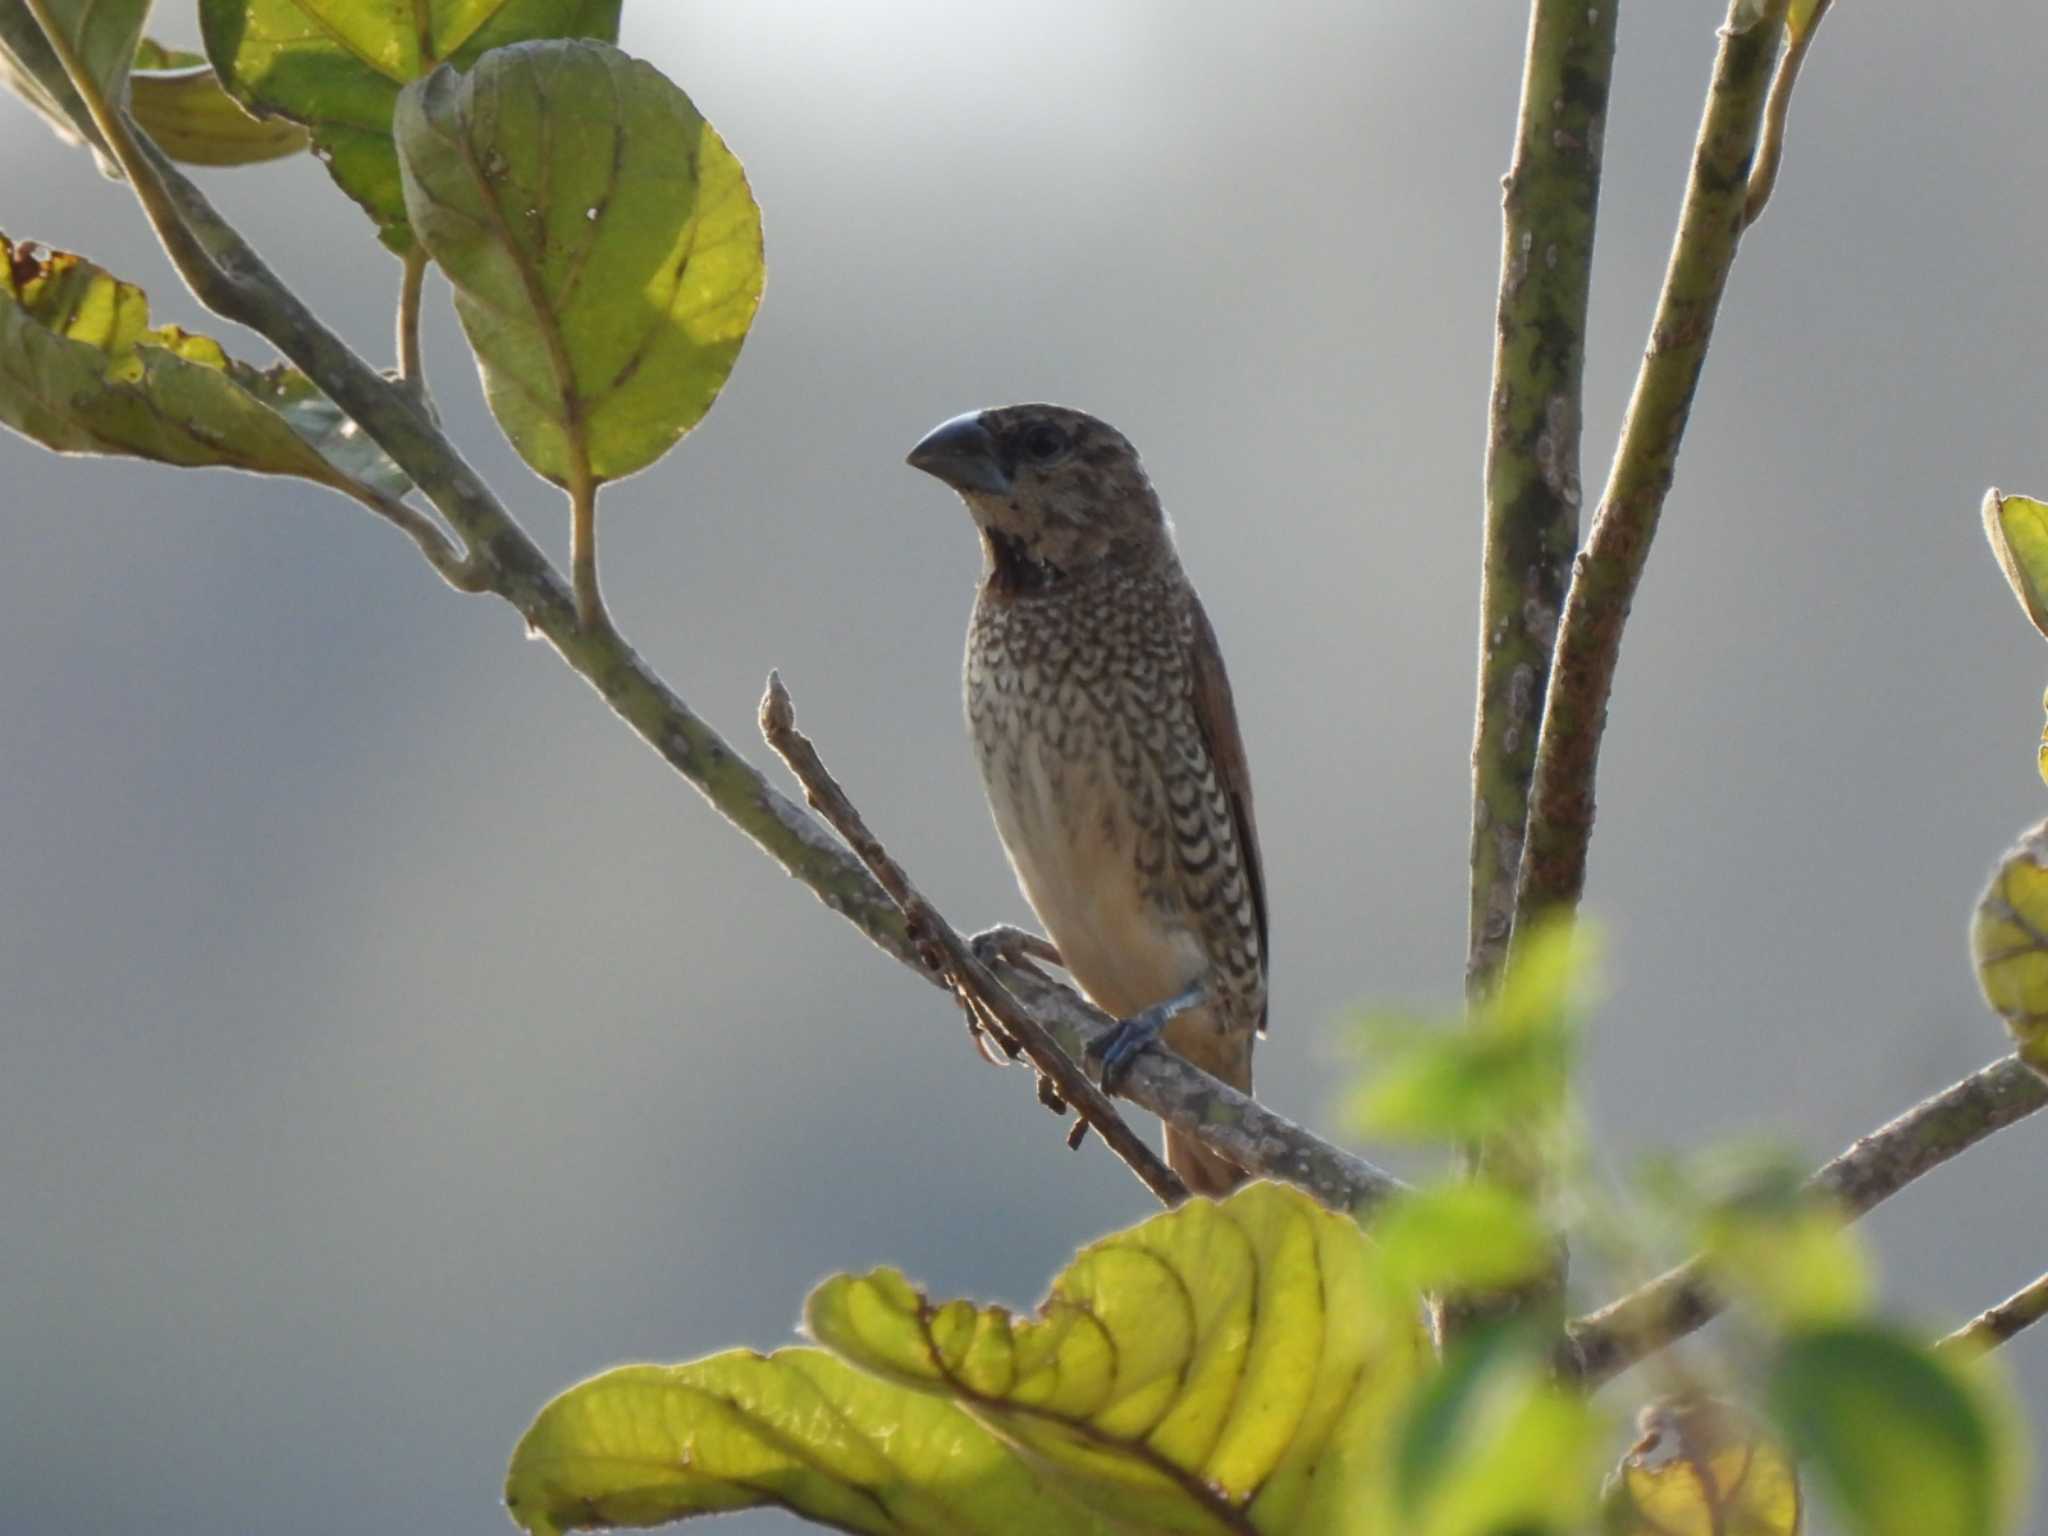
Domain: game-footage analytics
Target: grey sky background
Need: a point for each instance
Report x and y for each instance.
(392, 1040)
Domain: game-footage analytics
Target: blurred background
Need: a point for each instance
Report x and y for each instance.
(391, 1039)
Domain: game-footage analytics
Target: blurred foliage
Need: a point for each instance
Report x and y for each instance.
(101, 33)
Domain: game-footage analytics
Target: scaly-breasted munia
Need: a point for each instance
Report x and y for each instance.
(1108, 742)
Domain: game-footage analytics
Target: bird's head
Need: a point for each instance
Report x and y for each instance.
(1053, 490)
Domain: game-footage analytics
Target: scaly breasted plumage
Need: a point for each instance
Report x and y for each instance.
(1103, 725)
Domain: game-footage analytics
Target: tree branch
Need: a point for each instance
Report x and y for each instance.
(1605, 577)
(1993, 1326)
(1871, 1170)
(1548, 203)
(959, 964)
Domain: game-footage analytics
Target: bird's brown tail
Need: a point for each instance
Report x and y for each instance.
(1201, 1170)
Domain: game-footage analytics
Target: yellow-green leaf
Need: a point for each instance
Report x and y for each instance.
(1221, 1366)
(603, 245)
(1700, 1467)
(1776, 1244)
(102, 33)
(179, 102)
(337, 66)
(1494, 1445)
(797, 1430)
(2009, 942)
(1472, 1235)
(1903, 1442)
(2017, 527)
(81, 371)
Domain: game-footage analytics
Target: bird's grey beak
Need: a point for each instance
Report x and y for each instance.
(963, 454)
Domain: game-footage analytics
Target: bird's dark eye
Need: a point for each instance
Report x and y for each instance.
(1043, 442)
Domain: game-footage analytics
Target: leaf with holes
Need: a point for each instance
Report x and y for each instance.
(1700, 1465)
(1222, 1368)
(603, 245)
(337, 66)
(102, 33)
(81, 371)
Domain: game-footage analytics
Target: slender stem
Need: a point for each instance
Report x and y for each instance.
(462, 574)
(955, 959)
(583, 544)
(1993, 1326)
(1876, 1167)
(1604, 581)
(1763, 176)
(410, 368)
(1549, 199)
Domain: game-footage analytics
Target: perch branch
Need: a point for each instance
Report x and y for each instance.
(1548, 202)
(955, 959)
(1869, 1171)
(1993, 1326)
(1605, 576)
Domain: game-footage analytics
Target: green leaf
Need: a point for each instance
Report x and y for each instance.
(1700, 1467)
(102, 33)
(1472, 1235)
(1505, 1067)
(2017, 527)
(797, 1430)
(337, 66)
(603, 245)
(81, 371)
(1222, 1367)
(1904, 1443)
(1771, 1241)
(179, 102)
(1492, 1445)
(2009, 942)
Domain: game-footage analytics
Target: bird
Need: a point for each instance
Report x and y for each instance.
(1103, 724)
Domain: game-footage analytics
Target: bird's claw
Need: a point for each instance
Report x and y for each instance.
(1122, 1046)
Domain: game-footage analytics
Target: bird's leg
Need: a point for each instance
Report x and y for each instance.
(1016, 945)
(1133, 1036)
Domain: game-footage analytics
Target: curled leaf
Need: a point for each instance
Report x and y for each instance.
(82, 371)
(2009, 942)
(2017, 527)
(1701, 1467)
(603, 245)
(179, 102)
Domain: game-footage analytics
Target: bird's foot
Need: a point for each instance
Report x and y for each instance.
(1018, 946)
(1137, 1034)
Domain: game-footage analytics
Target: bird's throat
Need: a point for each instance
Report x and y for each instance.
(1013, 570)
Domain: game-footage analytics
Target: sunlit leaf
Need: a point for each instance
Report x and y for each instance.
(1471, 1235)
(1773, 1242)
(603, 245)
(1901, 1441)
(2009, 942)
(82, 371)
(796, 1430)
(178, 100)
(1700, 1467)
(2017, 527)
(337, 66)
(1504, 1067)
(103, 34)
(1223, 1362)
(1494, 1445)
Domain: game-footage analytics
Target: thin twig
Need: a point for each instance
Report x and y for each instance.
(1993, 1326)
(590, 610)
(1871, 1170)
(411, 368)
(956, 959)
(1549, 199)
(1770, 154)
(1605, 577)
